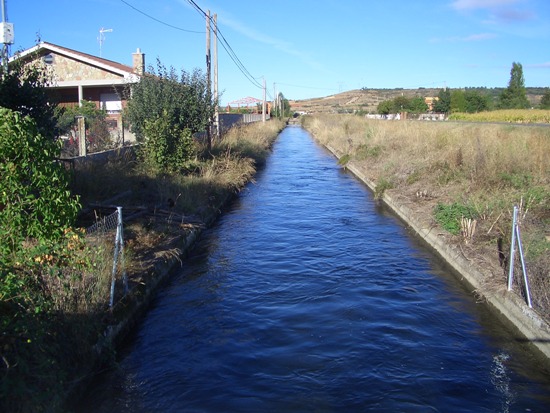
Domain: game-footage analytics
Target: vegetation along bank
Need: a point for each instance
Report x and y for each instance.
(456, 185)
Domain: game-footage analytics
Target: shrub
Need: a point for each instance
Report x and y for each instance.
(166, 148)
(381, 187)
(448, 216)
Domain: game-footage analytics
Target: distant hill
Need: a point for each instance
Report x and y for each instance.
(367, 100)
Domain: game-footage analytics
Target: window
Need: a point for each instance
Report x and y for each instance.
(111, 103)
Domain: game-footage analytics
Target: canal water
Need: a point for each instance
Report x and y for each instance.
(308, 296)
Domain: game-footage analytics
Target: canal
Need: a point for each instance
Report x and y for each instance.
(308, 296)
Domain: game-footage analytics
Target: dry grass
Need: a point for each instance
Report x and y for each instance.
(486, 168)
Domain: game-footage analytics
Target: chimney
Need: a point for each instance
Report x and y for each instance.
(138, 62)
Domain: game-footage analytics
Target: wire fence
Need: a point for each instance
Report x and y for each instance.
(101, 228)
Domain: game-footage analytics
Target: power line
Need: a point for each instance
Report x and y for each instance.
(159, 21)
(225, 44)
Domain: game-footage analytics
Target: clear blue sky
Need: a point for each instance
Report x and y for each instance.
(307, 48)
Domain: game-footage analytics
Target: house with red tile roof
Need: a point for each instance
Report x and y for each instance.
(78, 76)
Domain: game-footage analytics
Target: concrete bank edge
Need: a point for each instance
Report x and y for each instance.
(530, 325)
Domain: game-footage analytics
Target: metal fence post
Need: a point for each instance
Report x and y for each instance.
(512, 249)
(516, 235)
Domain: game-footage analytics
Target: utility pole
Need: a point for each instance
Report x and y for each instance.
(6, 37)
(216, 108)
(263, 105)
(208, 83)
(274, 97)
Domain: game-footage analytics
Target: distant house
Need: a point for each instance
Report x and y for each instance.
(79, 76)
(430, 101)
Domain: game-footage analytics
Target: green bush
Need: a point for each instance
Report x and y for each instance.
(166, 148)
(184, 97)
(449, 216)
(36, 249)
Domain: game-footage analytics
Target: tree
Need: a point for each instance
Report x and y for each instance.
(183, 98)
(475, 101)
(164, 112)
(385, 107)
(282, 106)
(400, 104)
(23, 89)
(458, 101)
(417, 105)
(545, 101)
(443, 103)
(514, 96)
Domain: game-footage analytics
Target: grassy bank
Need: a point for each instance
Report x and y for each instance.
(49, 355)
(462, 179)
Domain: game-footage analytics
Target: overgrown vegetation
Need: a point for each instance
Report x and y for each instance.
(451, 174)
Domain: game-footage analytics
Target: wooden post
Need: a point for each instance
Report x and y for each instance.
(216, 109)
(81, 135)
(208, 82)
(263, 105)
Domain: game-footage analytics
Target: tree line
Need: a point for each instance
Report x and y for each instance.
(469, 100)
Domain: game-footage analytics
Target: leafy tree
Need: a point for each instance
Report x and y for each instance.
(458, 101)
(385, 107)
(281, 109)
(545, 101)
(443, 103)
(166, 148)
(400, 104)
(475, 101)
(417, 105)
(514, 96)
(23, 89)
(183, 98)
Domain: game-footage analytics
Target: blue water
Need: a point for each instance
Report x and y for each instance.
(307, 296)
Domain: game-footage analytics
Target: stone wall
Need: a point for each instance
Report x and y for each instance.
(67, 69)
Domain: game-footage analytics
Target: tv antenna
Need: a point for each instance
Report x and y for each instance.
(101, 37)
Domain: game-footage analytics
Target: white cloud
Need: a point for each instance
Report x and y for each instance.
(545, 65)
(471, 38)
(478, 37)
(481, 4)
